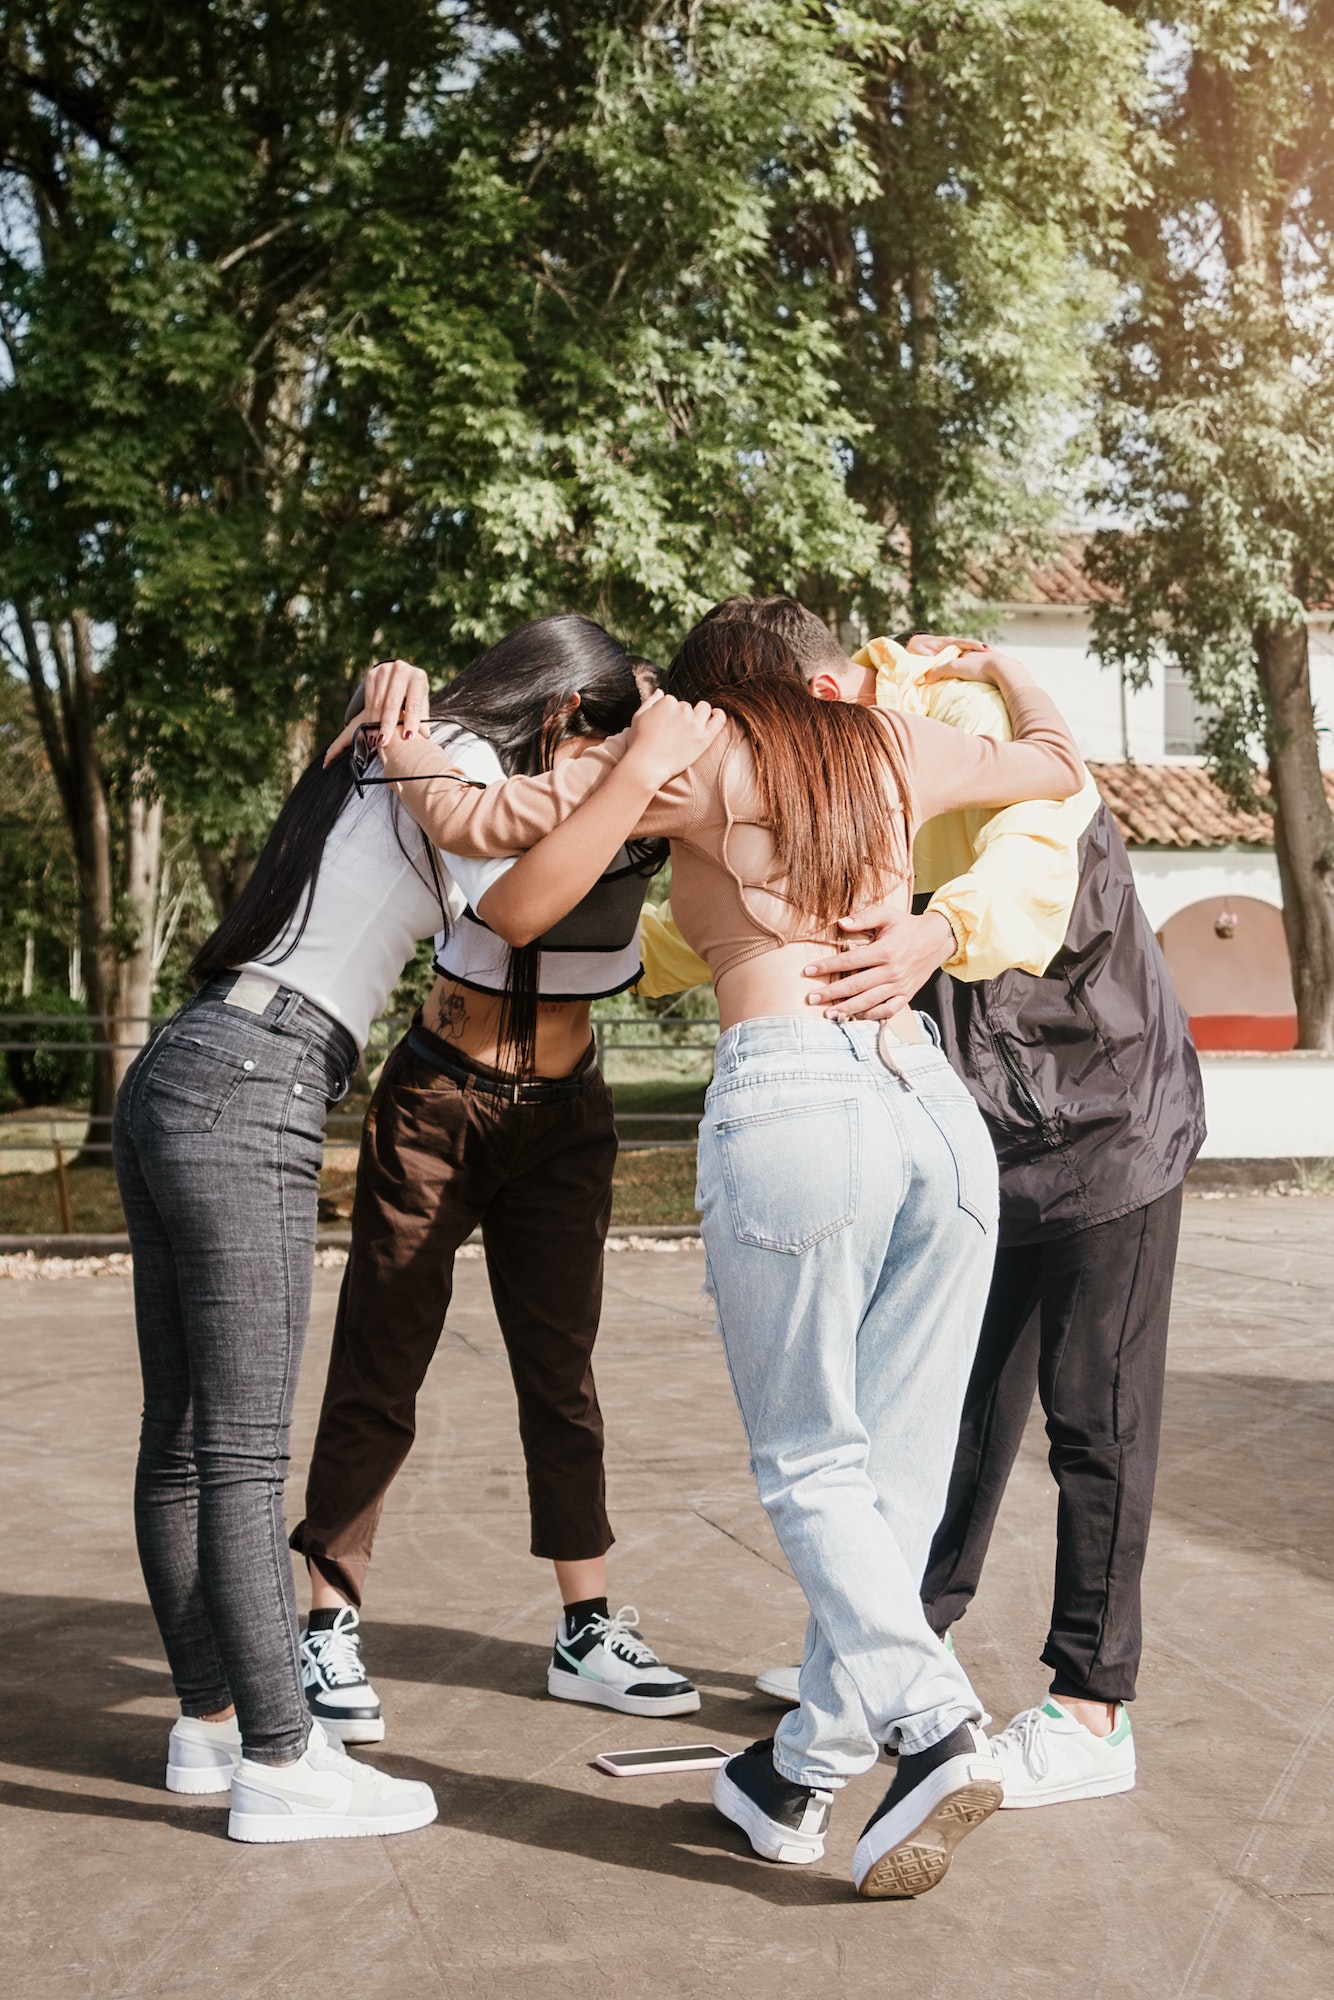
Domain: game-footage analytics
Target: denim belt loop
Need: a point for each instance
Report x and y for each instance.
(291, 1006)
(858, 1045)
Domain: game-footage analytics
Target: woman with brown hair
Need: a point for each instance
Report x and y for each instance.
(848, 1191)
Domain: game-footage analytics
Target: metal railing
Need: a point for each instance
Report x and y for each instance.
(637, 1036)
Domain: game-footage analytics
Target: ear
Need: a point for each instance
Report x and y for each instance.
(825, 687)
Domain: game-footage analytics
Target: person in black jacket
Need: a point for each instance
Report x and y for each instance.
(1090, 1088)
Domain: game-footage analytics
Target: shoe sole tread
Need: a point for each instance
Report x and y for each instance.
(923, 1858)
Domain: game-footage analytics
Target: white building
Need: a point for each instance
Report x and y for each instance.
(1206, 873)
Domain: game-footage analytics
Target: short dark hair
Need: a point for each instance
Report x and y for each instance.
(806, 636)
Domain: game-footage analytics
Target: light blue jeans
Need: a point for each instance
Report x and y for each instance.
(849, 1225)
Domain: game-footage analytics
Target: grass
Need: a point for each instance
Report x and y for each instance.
(657, 1185)
(29, 1205)
(653, 1186)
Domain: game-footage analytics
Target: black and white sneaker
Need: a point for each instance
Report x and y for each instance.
(608, 1663)
(338, 1693)
(938, 1796)
(782, 1821)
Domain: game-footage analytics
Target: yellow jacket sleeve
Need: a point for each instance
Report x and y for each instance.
(670, 966)
(1012, 907)
(1004, 882)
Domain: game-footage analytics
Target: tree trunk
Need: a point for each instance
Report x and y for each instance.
(226, 870)
(67, 719)
(63, 681)
(1303, 828)
(143, 874)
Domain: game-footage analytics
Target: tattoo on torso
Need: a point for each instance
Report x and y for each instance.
(449, 1016)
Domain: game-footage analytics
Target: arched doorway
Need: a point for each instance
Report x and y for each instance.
(1229, 962)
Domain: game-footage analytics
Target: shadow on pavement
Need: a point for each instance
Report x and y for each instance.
(445, 1657)
(685, 1838)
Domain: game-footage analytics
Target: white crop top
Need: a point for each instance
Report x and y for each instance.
(374, 900)
(475, 956)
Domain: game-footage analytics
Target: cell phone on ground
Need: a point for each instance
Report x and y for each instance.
(651, 1763)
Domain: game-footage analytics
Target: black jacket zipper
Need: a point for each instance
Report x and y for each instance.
(1023, 1089)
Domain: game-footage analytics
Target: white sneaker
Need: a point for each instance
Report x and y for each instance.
(201, 1756)
(608, 1663)
(1046, 1757)
(338, 1693)
(325, 1795)
(782, 1683)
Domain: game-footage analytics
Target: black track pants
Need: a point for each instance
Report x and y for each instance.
(1083, 1320)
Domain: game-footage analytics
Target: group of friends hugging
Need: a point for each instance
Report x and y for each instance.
(940, 1165)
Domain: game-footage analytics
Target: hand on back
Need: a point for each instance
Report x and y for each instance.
(667, 735)
(874, 979)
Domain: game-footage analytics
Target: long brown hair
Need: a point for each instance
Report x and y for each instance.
(827, 771)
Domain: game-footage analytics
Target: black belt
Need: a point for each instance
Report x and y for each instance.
(540, 1090)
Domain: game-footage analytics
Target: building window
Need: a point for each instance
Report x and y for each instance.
(1184, 718)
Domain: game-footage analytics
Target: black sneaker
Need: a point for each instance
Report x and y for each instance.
(338, 1693)
(782, 1821)
(609, 1664)
(909, 1841)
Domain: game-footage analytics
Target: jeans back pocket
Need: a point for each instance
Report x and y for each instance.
(791, 1173)
(191, 1083)
(960, 1125)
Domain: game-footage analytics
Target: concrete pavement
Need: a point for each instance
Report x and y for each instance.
(1213, 1880)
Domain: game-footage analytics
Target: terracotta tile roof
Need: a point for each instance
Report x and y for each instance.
(1060, 581)
(1063, 580)
(1179, 805)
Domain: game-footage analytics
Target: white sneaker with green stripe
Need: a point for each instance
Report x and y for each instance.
(1047, 1757)
(609, 1664)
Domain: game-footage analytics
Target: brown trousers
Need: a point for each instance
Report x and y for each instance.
(438, 1157)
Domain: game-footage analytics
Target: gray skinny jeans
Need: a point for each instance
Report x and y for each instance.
(218, 1138)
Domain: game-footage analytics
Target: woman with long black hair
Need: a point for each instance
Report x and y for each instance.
(218, 1136)
(848, 1191)
(491, 1114)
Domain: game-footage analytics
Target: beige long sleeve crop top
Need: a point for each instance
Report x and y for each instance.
(727, 887)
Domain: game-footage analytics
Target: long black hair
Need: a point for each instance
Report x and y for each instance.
(553, 678)
(521, 697)
(285, 872)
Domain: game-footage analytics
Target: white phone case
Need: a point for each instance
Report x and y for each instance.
(672, 1760)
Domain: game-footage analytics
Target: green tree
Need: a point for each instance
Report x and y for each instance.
(341, 330)
(1218, 424)
(968, 282)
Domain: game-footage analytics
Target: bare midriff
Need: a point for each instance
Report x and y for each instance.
(773, 984)
(470, 1022)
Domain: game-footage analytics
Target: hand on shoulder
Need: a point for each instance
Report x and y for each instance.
(667, 736)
